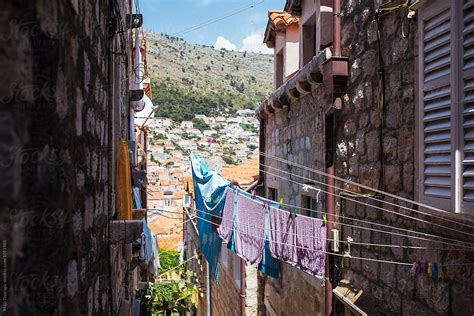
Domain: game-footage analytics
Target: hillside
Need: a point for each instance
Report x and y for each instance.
(190, 79)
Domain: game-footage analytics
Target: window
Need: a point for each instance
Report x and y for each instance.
(309, 203)
(279, 69)
(309, 40)
(272, 194)
(446, 104)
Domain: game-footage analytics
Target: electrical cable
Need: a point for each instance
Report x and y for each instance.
(216, 19)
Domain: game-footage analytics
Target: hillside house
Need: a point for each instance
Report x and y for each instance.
(391, 112)
(186, 125)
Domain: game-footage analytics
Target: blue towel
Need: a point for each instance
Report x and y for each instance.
(209, 192)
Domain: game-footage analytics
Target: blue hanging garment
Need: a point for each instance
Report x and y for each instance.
(209, 192)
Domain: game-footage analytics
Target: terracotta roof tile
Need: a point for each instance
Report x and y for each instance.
(278, 21)
(244, 174)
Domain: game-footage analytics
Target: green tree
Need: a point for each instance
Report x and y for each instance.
(200, 124)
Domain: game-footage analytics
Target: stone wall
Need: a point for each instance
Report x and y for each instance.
(55, 147)
(225, 295)
(297, 134)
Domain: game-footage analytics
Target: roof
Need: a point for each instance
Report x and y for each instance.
(244, 174)
(278, 21)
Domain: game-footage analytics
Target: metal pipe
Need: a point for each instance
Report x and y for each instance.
(336, 33)
(330, 204)
(242, 287)
(208, 290)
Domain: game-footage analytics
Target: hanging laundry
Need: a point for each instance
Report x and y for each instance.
(299, 241)
(282, 235)
(243, 218)
(209, 192)
(243, 228)
(311, 245)
(249, 233)
(227, 222)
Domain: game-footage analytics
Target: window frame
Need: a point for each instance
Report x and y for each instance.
(456, 203)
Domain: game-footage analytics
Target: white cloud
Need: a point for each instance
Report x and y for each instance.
(222, 42)
(254, 43)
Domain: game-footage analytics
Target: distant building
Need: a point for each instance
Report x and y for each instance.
(187, 124)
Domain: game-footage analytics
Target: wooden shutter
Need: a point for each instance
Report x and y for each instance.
(436, 135)
(467, 119)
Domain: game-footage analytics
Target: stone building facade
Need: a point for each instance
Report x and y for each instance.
(64, 103)
(376, 146)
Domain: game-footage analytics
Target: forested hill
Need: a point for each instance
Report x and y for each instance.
(190, 79)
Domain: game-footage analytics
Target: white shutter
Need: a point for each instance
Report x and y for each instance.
(437, 107)
(468, 100)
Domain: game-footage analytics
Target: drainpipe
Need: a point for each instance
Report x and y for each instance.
(242, 287)
(336, 18)
(330, 201)
(208, 290)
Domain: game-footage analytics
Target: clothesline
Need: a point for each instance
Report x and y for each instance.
(354, 243)
(466, 249)
(346, 255)
(365, 196)
(281, 160)
(370, 205)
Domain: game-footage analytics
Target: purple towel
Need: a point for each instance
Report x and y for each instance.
(282, 236)
(250, 230)
(311, 234)
(225, 228)
(300, 242)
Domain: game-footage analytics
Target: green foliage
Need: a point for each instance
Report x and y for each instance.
(200, 124)
(252, 146)
(168, 260)
(169, 297)
(249, 127)
(229, 160)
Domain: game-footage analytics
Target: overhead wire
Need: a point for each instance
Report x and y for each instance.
(370, 189)
(363, 203)
(217, 19)
(331, 253)
(462, 248)
(378, 224)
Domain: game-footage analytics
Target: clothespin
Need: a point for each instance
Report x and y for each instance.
(254, 194)
(347, 254)
(413, 268)
(444, 271)
(264, 204)
(281, 202)
(430, 269)
(425, 267)
(418, 267)
(305, 187)
(295, 212)
(325, 219)
(435, 271)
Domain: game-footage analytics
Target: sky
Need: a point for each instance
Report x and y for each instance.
(242, 31)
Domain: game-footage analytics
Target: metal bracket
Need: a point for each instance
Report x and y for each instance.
(136, 19)
(136, 95)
